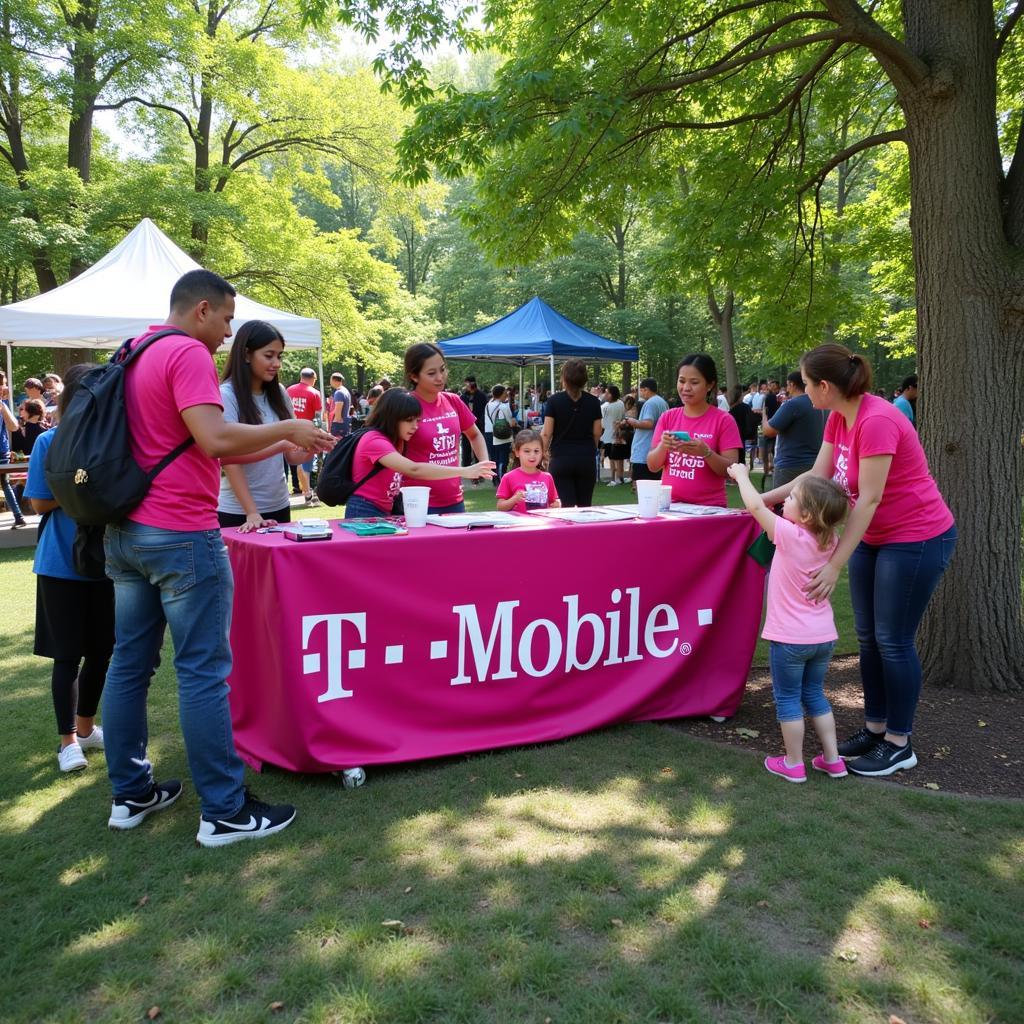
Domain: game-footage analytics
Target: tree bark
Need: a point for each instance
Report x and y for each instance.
(722, 315)
(970, 342)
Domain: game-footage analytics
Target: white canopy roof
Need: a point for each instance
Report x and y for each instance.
(121, 295)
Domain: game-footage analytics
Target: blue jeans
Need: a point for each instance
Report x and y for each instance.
(184, 580)
(440, 510)
(10, 499)
(500, 456)
(798, 679)
(890, 586)
(357, 507)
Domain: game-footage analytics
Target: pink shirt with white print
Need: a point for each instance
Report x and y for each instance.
(690, 478)
(382, 488)
(517, 479)
(911, 508)
(437, 441)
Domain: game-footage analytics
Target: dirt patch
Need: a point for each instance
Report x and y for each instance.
(965, 742)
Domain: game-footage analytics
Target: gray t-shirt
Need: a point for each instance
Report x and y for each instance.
(800, 428)
(266, 479)
(652, 410)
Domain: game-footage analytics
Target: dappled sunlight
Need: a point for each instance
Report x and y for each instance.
(105, 936)
(22, 814)
(709, 819)
(92, 865)
(1008, 863)
(894, 933)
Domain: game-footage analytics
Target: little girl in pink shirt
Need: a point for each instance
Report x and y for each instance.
(801, 634)
(527, 486)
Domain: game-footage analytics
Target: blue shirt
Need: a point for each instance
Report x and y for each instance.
(57, 537)
(800, 428)
(904, 406)
(652, 410)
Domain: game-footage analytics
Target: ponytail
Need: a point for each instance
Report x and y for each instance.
(847, 371)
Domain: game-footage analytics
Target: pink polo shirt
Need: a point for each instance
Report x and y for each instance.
(437, 441)
(173, 374)
(911, 508)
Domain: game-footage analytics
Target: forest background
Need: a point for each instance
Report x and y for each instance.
(265, 147)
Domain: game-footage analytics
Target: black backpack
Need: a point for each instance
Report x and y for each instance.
(335, 485)
(89, 467)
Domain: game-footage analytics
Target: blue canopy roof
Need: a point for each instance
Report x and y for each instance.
(533, 334)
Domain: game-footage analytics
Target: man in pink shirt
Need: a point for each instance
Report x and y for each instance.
(307, 403)
(170, 568)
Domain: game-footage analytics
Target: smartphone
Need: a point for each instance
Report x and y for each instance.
(680, 435)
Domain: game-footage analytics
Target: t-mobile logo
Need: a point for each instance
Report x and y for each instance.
(334, 634)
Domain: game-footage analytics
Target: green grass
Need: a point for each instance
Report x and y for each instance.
(634, 874)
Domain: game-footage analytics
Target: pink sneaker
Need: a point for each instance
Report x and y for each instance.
(778, 766)
(837, 769)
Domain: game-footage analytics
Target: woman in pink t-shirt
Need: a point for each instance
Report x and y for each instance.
(898, 541)
(444, 418)
(394, 421)
(695, 465)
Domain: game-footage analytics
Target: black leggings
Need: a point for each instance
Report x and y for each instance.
(76, 691)
(574, 477)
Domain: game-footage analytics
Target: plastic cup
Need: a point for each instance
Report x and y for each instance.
(648, 493)
(665, 502)
(415, 501)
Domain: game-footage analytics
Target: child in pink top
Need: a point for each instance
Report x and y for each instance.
(394, 420)
(527, 486)
(801, 634)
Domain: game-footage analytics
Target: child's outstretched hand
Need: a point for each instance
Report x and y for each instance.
(738, 471)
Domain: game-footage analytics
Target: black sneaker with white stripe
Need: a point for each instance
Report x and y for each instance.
(884, 758)
(127, 812)
(254, 821)
(860, 742)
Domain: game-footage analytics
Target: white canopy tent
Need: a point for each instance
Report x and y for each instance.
(121, 295)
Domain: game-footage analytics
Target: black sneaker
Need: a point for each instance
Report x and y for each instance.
(883, 759)
(127, 812)
(860, 743)
(254, 821)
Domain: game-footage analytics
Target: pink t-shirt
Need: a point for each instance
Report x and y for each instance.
(792, 618)
(691, 480)
(515, 479)
(381, 488)
(306, 401)
(436, 441)
(911, 508)
(173, 374)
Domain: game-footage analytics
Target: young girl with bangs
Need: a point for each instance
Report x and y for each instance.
(526, 486)
(393, 422)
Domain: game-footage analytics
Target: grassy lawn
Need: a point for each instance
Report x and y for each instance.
(634, 874)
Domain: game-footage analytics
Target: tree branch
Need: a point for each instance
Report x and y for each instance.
(881, 139)
(1008, 27)
(153, 106)
(897, 59)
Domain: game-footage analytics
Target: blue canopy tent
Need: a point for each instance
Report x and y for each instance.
(535, 334)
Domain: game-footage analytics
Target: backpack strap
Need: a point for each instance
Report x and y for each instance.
(377, 466)
(124, 355)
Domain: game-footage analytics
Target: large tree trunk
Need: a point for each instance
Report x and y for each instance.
(970, 343)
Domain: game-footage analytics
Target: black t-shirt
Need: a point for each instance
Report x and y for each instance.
(22, 440)
(574, 422)
(477, 402)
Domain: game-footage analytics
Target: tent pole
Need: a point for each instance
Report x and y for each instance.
(552, 373)
(10, 378)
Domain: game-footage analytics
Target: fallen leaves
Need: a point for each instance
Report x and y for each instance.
(931, 785)
(747, 734)
(143, 900)
(617, 922)
(276, 1007)
(893, 1019)
(848, 956)
(393, 924)
(982, 725)
(407, 890)
(924, 923)
(153, 1012)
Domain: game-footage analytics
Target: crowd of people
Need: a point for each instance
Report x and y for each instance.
(835, 451)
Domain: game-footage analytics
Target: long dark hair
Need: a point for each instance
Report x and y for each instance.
(705, 366)
(391, 409)
(252, 336)
(847, 371)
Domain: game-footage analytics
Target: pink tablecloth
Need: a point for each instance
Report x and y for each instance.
(360, 651)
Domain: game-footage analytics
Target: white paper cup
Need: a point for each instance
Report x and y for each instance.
(648, 493)
(415, 501)
(666, 498)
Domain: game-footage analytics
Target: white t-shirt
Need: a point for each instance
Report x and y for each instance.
(496, 410)
(611, 414)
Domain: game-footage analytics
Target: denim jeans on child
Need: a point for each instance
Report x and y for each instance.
(182, 579)
(890, 586)
(358, 507)
(798, 679)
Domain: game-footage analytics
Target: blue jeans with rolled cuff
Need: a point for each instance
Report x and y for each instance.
(890, 586)
(798, 679)
(181, 580)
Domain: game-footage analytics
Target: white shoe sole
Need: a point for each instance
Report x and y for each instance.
(140, 816)
(236, 837)
(910, 762)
